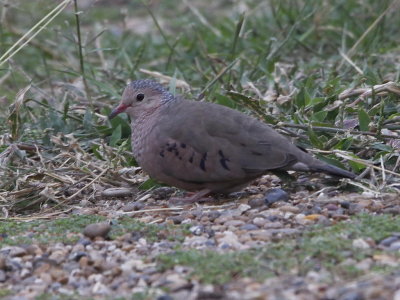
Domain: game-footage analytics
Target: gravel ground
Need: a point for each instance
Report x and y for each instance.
(105, 268)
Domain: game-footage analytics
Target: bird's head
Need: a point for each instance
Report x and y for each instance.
(141, 96)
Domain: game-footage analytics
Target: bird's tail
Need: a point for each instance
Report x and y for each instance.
(309, 163)
(330, 169)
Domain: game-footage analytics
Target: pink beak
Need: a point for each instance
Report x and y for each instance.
(116, 111)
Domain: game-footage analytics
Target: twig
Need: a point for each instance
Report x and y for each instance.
(32, 218)
(348, 59)
(130, 213)
(156, 221)
(366, 92)
(361, 186)
(59, 178)
(342, 154)
(223, 206)
(89, 184)
(383, 169)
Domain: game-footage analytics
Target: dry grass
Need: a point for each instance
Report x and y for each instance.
(57, 146)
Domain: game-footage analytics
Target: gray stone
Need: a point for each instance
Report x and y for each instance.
(249, 227)
(275, 195)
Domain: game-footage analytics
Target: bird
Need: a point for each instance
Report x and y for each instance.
(204, 147)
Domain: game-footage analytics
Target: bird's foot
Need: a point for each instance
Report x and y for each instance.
(200, 196)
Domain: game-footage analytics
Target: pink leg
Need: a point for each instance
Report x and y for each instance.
(196, 197)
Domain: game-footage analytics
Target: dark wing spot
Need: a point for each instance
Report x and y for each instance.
(191, 158)
(223, 160)
(203, 162)
(243, 144)
(172, 147)
(223, 164)
(162, 153)
(183, 145)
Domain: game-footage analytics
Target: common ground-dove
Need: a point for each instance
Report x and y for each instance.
(206, 147)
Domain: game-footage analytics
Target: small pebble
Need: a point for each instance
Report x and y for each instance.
(324, 221)
(118, 192)
(331, 206)
(15, 251)
(84, 202)
(210, 243)
(273, 218)
(272, 225)
(361, 244)
(355, 208)
(345, 204)
(395, 210)
(313, 217)
(97, 230)
(34, 249)
(2, 276)
(388, 241)
(352, 295)
(289, 208)
(340, 217)
(133, 206)
(275, 195)
(163, 192)
(243, 208)
(212, 215)
(396, 295)
(176, 219)
(84, 242)
(165, 297)
(257, 202)
(3, 262)
(197, 230)
(77, 255)
(258, 221)
(395, 246)
(249, 227)
(234, 223)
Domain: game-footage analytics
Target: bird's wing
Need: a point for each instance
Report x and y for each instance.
(204, 142)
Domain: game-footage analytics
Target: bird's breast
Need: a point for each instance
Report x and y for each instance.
(144, 139)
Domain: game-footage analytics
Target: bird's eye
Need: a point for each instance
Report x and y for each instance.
(139, 97)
